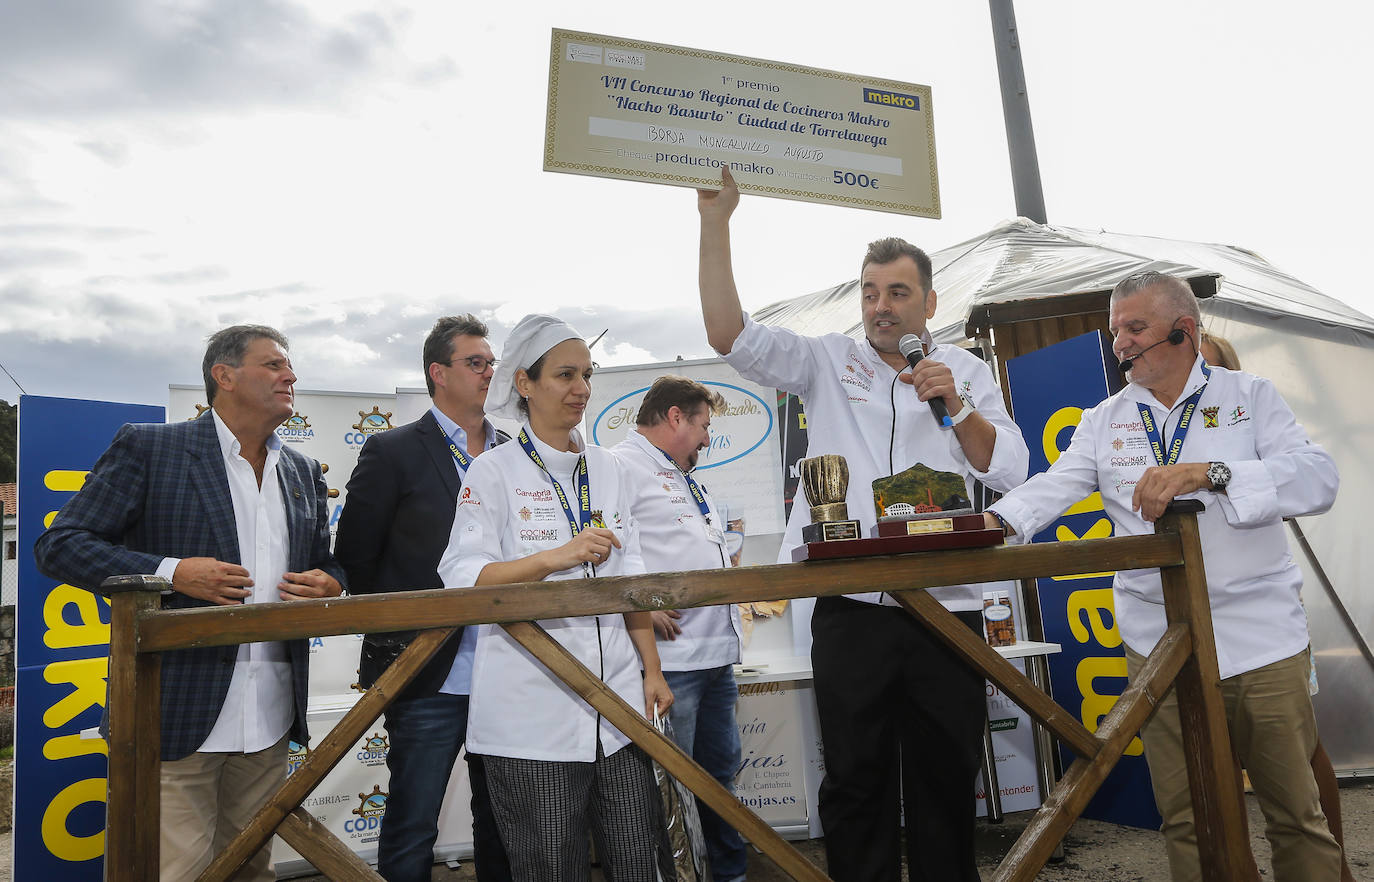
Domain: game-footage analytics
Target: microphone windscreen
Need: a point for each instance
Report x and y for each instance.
(908, 344)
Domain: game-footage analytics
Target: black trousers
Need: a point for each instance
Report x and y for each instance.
(901, 724)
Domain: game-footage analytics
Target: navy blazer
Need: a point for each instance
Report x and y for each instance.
(393, 531)
(161, 490)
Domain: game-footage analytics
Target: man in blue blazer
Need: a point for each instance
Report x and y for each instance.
(393, 530)
(221, 508)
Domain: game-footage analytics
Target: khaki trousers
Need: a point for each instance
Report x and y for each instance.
(1273, 731)
(207, 798)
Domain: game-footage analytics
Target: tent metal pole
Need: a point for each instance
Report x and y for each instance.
(1330, 590)
(1025, 166)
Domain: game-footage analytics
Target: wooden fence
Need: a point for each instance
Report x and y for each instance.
(1185, 658)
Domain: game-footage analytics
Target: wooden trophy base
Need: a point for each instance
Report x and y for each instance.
(901, 537)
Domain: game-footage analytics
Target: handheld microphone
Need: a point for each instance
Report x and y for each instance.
(1175, 337)
(910, 347)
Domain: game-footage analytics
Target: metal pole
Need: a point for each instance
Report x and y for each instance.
(1025, 166)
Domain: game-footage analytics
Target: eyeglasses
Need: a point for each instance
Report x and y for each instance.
(476, 363)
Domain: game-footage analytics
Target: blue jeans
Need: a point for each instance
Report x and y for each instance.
(703, 718)
(424, 736)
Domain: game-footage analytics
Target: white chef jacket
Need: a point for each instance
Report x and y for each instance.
(856, 407)
(673, 537)
(507, 510)
(1276, 472)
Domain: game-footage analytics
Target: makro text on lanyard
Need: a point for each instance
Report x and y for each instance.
(1180, 431)
(459, 457)
(577, 522)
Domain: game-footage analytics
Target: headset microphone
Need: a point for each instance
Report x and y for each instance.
(1174, 338)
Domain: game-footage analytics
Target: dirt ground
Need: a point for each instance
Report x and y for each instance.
(1094, 851)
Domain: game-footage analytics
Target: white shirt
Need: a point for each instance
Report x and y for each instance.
(258, 707)
(672, 537)
(856, 407)
(1276, 472)
(508, 510)
(459, 680)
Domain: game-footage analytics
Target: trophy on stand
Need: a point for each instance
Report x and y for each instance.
(918, 510)
(825, 480)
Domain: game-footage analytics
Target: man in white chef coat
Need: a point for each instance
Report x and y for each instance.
(681, 528)
(900, 714)
(1184, 428)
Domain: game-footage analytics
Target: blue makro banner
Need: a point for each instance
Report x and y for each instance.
(63, 636)
(1050, 389)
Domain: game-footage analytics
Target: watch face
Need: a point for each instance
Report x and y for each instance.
(1218, 474)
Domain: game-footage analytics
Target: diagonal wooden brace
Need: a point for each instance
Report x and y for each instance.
(974, 649)
(314, 842)
(322, 759)
(1066, 802)
(661, 750)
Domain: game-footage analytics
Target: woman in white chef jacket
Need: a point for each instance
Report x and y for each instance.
(546, 506)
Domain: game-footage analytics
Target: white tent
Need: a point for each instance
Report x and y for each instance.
(1315, 348)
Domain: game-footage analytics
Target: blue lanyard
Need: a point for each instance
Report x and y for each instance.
(458, 457)
(698, 491)
(1180, 432)
(578, 522)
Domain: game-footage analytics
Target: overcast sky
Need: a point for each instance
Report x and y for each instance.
(347, 170)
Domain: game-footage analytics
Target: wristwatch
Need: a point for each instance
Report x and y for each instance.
(1219, 474)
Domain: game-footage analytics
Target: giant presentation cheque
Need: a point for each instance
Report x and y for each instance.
(648, 112)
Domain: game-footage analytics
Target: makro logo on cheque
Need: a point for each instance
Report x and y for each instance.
(372, 752)
(368, 424)
(746, 423)
(368, 823)
(296, 429)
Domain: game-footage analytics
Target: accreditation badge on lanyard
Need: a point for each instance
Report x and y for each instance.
(713, 531)
(579, 518)
(1180, 432)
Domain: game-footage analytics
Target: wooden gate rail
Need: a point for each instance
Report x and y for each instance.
(140, 631)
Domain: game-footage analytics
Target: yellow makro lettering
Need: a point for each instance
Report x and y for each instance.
(1060, 420)
(62, 634)
(88, 676)
(1090, 604)
(1092, 502)
(59, 840)
(801, 421)
(69, 746)
(1096, 706)
(64, 480)
(1101, 529)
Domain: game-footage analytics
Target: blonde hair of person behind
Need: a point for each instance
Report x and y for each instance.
(1229, 359)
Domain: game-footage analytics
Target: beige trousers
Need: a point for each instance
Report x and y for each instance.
(1273, 731)
(207, 798)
